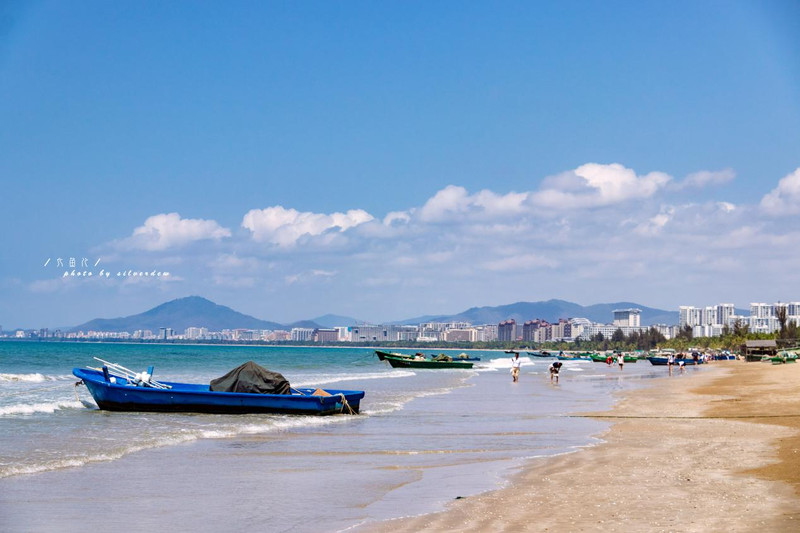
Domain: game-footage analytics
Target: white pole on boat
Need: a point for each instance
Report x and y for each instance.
(132, 376)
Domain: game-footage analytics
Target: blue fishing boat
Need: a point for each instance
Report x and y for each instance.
(115, 388)
(659, 360)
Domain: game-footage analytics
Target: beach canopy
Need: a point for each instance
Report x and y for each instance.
(251, 377)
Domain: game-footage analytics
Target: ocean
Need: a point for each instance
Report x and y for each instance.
(423, 438)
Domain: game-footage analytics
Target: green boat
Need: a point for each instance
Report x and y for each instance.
(597, 358)
(382, 355)
(782, 358)
(411, 362)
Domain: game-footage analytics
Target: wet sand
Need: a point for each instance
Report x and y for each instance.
(715, 449)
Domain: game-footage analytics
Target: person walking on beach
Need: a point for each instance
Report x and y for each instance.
(554, 368)
(515, 364)
(620, 360)
(670, 362)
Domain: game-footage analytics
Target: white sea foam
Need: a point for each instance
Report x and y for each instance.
(31, 378)
(500, 363)
(33, 408)
(335, 378)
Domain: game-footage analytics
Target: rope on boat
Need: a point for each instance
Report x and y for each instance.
(345, 405)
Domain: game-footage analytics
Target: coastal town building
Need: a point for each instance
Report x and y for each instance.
(627, 317)
(507, 330)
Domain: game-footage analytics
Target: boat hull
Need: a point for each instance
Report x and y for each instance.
(400, 362)
(604, 359)
(663, 361)
(382, 355)
(193, 398)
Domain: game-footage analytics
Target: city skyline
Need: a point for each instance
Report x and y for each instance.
(387, 160)
(708, 321)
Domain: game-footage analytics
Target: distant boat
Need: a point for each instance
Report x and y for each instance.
(465, 357)
(782, 357)
(382, 355)
(411, 362)
(598, 358)
(540, 354)
(662, 360)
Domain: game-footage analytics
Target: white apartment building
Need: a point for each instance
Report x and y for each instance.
(627, 317)
(195, 333)
(302, 334)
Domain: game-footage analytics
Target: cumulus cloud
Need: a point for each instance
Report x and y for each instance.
(785, 198)
(285, 227)
(165, 231)
(656, 223)
(597, 185)
(705, 178)
(453, 201)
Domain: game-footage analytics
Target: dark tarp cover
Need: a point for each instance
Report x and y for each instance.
(251, 377)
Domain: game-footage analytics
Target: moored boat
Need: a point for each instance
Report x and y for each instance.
(115, 388)
(662, 360)
(382, 354)
(599, 358)
(404, 362)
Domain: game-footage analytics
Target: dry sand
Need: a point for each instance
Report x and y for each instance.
(716, 449)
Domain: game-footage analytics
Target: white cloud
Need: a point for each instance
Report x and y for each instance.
(308, 276)
(285, 227)
(397, 217)
(656, 223)
(164, 231)
(596, 185)
(705, 178)
(454, 201)
(520, 262)
(785, 198)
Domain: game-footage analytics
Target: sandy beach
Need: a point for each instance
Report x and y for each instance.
(715, 449)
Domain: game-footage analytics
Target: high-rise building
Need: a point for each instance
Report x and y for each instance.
(529, 329)
(627, 317)
(507, 330)
(723, 314)
(689, 316)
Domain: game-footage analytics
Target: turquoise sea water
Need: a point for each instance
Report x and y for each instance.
(424, 437)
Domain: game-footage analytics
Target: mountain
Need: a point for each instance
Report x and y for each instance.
(550, 310)
(331, 321)
(192, 311)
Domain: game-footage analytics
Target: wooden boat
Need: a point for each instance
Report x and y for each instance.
(782, 358)
(114, 390)
(660, 360)
(597, 358)
(541, 354)
(381, 355)
(405, 362)
(465, 357)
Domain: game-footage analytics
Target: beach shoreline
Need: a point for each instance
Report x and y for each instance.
(713, 450)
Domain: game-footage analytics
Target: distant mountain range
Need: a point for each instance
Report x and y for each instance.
(195, 311)
(551, 310)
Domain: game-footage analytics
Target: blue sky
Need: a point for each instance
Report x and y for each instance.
(390, 159)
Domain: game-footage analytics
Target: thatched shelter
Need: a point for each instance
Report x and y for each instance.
(755, 350)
